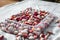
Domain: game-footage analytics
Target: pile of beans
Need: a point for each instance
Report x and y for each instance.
(29, 24)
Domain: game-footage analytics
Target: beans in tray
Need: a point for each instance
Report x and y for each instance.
(28, 24)
(29, 16)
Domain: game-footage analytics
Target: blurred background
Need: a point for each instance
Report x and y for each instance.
(5, 2)
(58, 1)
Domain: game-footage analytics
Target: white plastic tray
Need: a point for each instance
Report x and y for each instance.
(8, 10)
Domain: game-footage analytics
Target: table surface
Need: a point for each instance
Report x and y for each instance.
(6, 2)
(8, 10)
